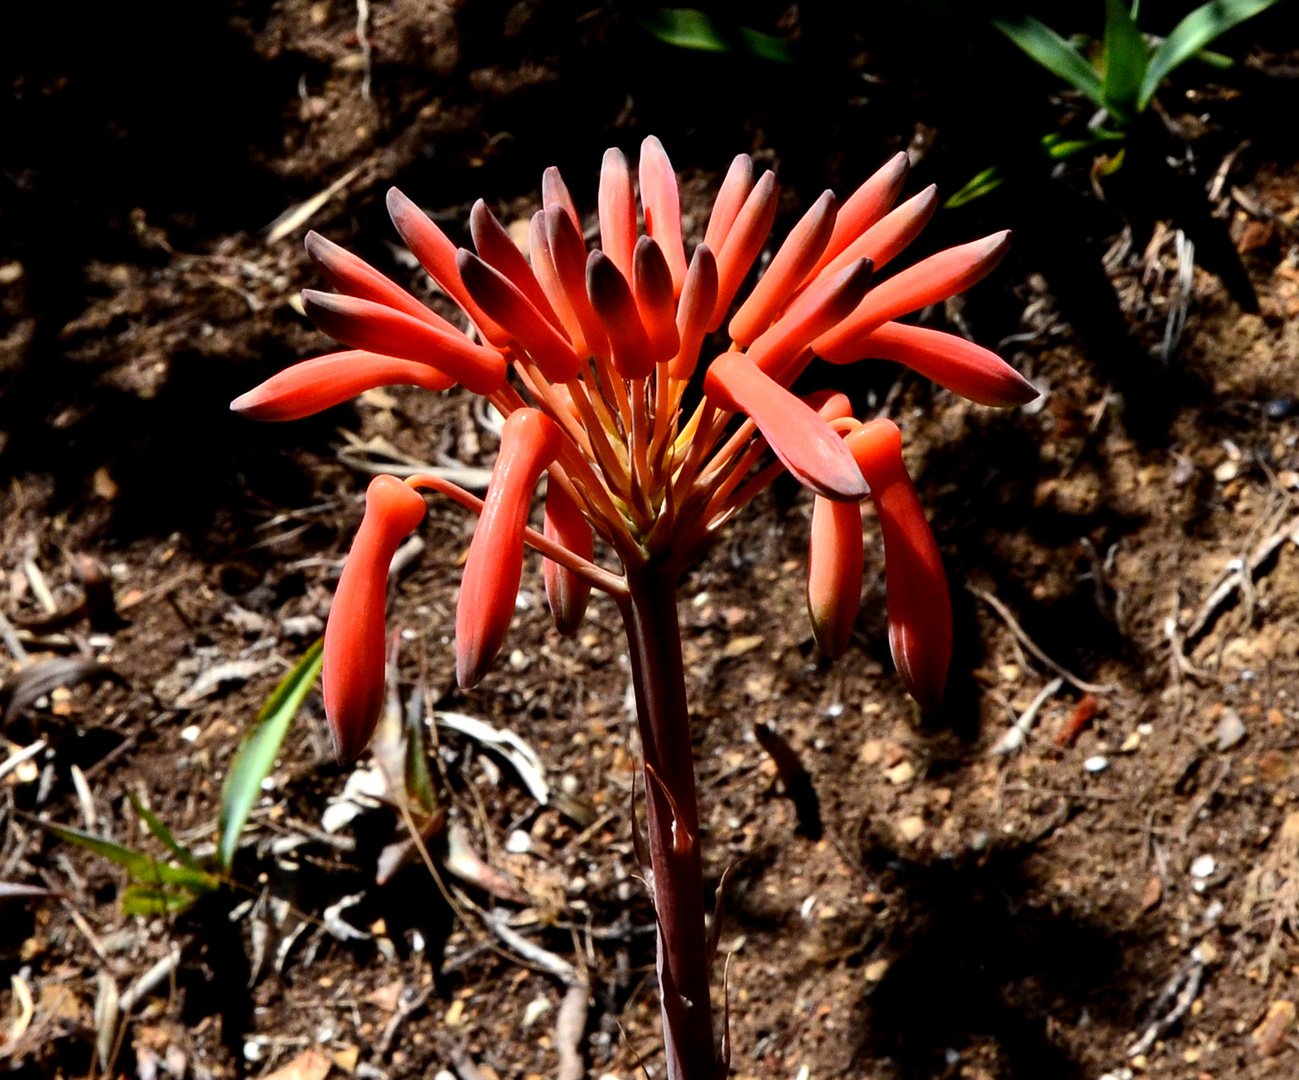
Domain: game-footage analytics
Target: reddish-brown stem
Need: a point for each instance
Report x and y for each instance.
(649, 611)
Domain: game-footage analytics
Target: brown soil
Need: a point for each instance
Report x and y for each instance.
(1123, 899)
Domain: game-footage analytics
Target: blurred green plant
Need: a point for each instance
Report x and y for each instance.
(694, 28)
(172, 885)
(1132, 65)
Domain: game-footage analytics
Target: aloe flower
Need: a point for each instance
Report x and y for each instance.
(589, 356)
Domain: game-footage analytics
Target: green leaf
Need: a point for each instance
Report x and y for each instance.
(690, 28)
(1192, 34)
(142, 868)
(978, 186)
(1126, 57)
(419, 783)
(257, 752)
(1054, 53)
(163, 833)
(150, 901)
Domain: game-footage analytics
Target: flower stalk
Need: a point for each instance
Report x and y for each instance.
(589, 355)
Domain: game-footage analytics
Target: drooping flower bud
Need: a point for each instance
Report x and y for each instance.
(566, 592)
(919, 606)
(804, 442)
(834, 573)
(353, 678)
(529, 442)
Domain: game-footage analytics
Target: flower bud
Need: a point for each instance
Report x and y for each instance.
(919, 607)
(354, 641)
(529, 442)
(566, 592)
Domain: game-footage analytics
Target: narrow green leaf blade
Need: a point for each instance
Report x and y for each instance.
(1126, 57)
(150, 901)
(256, 755)
(976, 187)
(1054, 53)
(1192, 34)
(141, 867)
(164, 834)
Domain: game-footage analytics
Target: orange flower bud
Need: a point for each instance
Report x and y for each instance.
(566, 592)
(437, 254)
(354, 640)
(529, 442)
(498, 250)
(919, 606)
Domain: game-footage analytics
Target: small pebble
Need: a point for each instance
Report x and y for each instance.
(1203, 866)
(911, 828)
(1097, 764)
(1231, 729)
(1131, 743)
(900, 773)
(190, 734)
(518, 842)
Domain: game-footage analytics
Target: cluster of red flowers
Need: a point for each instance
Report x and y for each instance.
(589, 356)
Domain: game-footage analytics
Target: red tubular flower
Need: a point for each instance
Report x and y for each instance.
(730, 198)
(504, 303)
(790, 265)
(698, 300)
(962, 366)
(529, 442)
(566, 592)
(662, 202)
(354, 639)
(311, 386)
(829, 300)
(891, 234)
(617, 211)
(652, 288)
(919, 606)
(497, 250)
(835, 563)
(865, 206)
(372, 327)
(615, 307)
(743, 242)
(938, 277)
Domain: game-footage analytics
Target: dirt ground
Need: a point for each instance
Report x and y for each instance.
(1118, 896)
